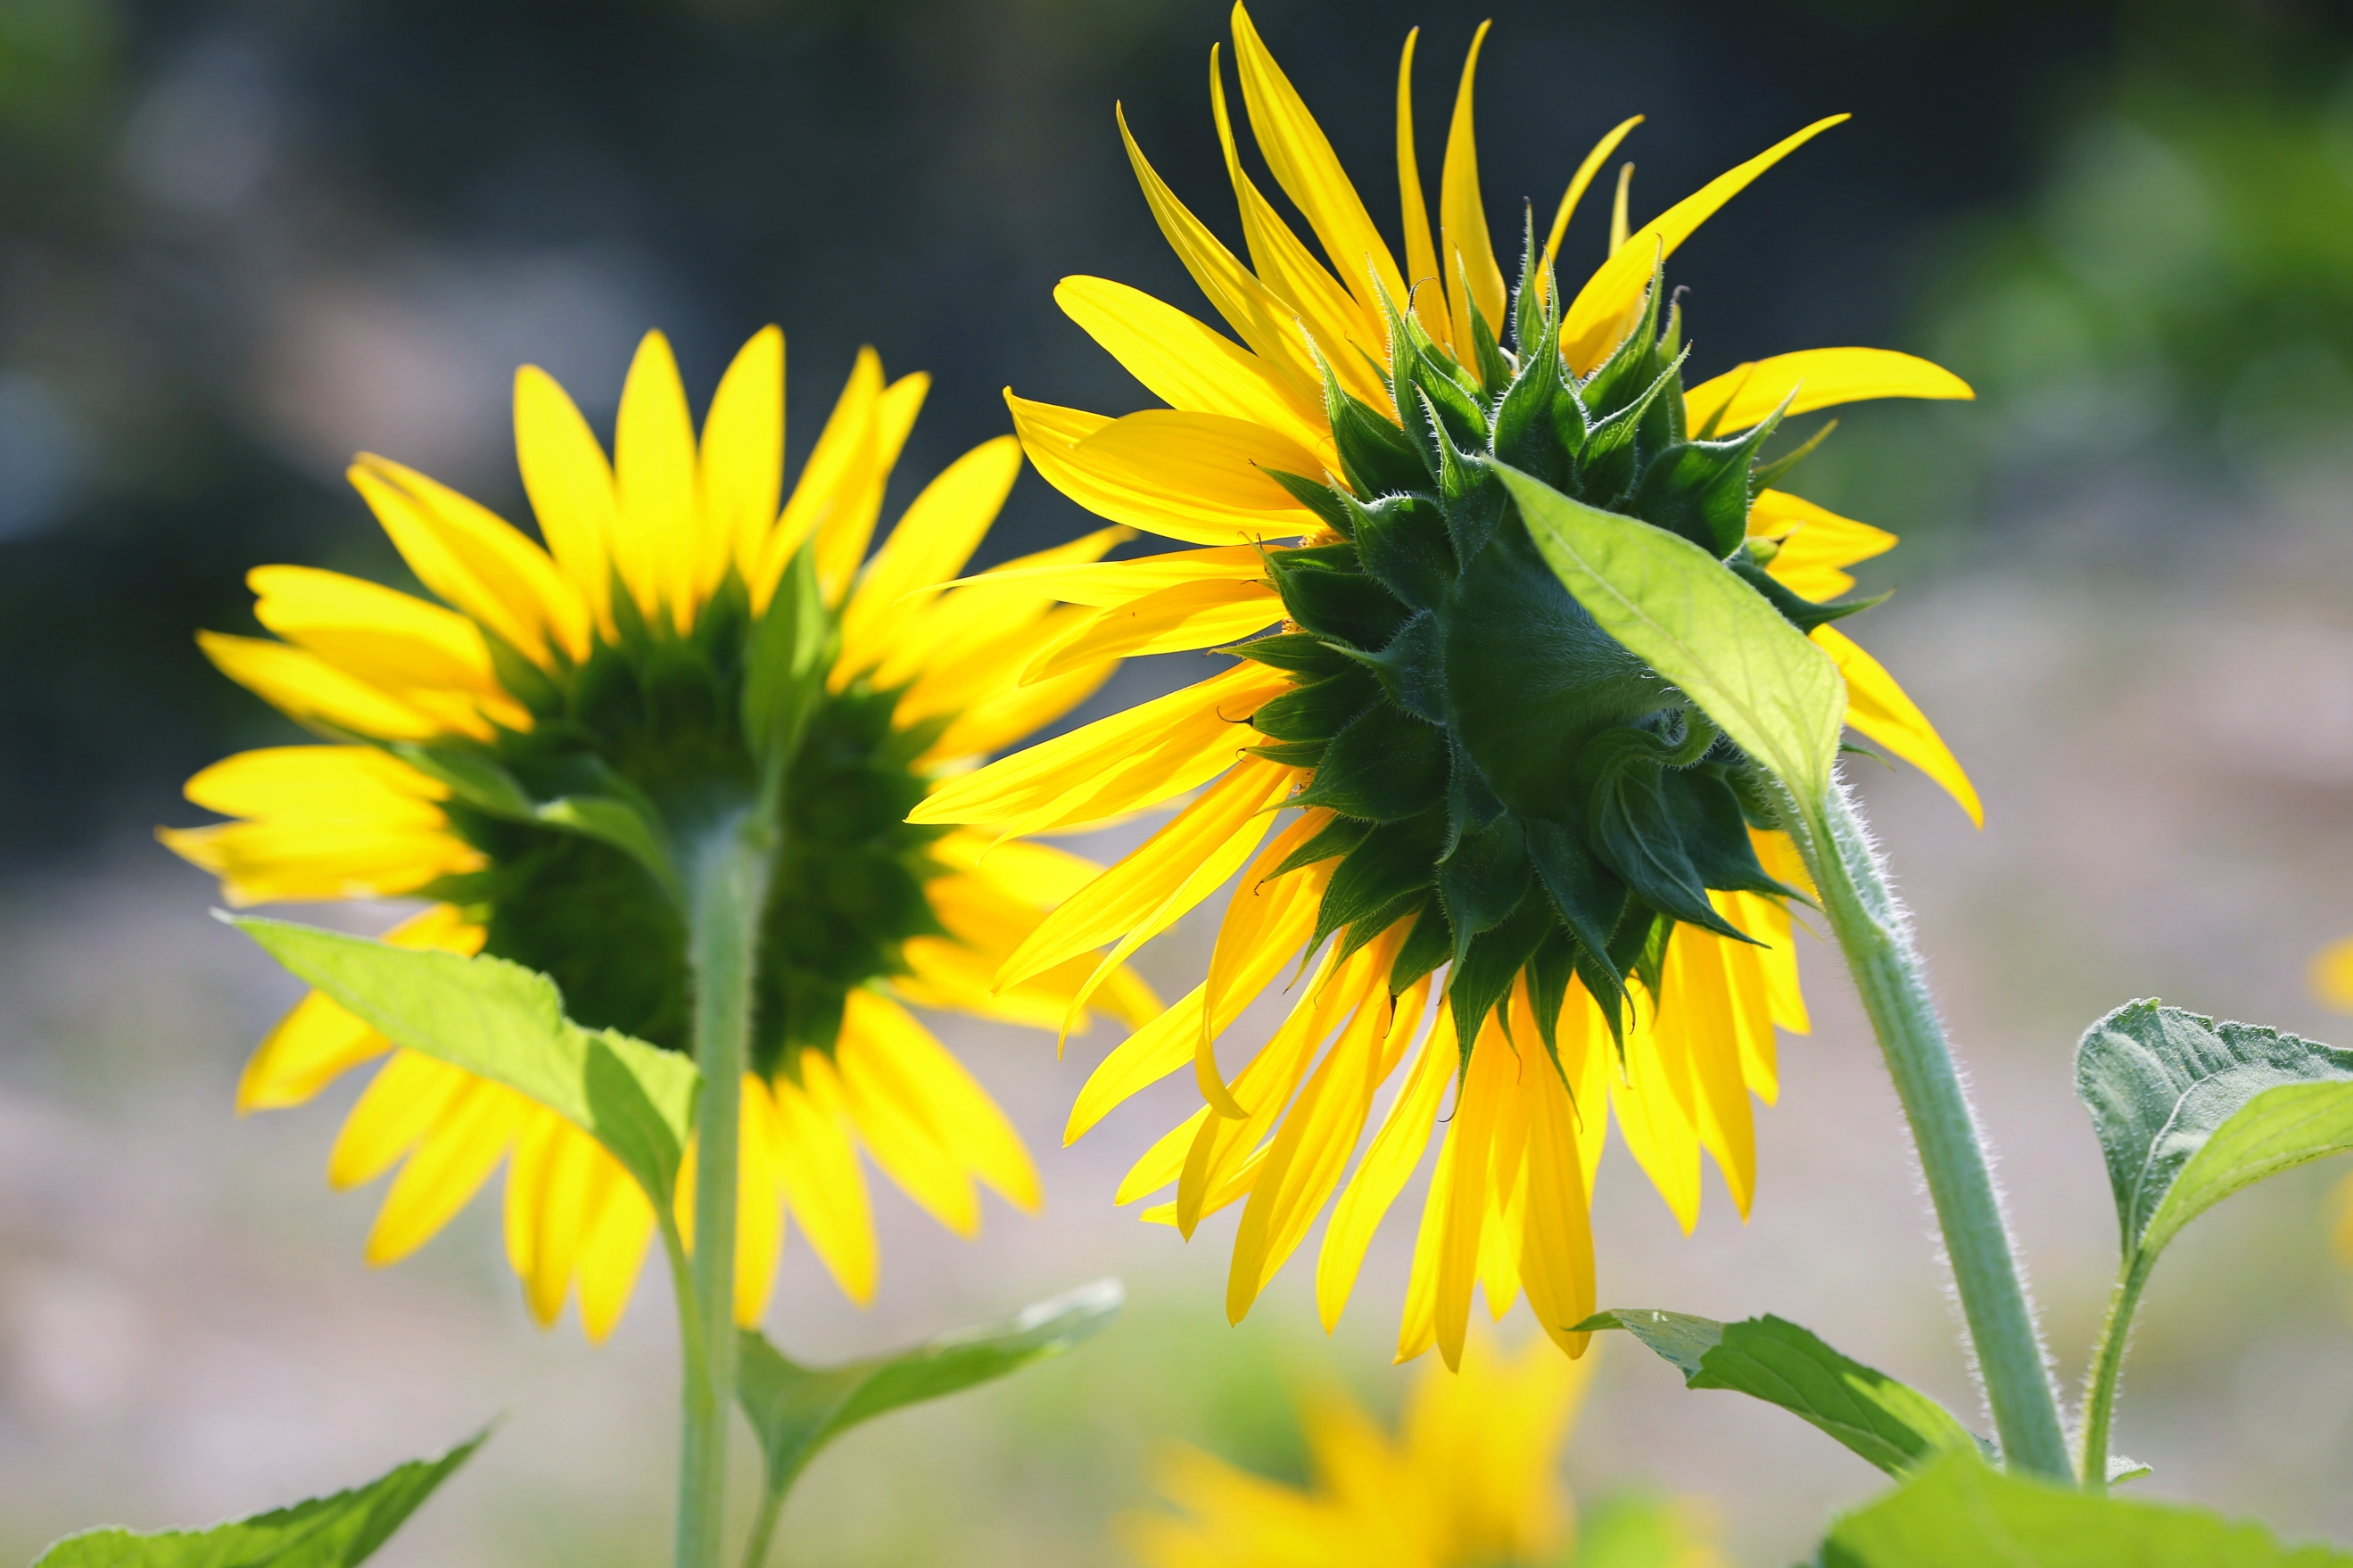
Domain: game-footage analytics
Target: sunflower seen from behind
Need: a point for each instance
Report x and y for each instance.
(480, 753)
(1531, 883)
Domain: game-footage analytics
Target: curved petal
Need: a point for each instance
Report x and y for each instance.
(1879, 708)
(1813, 379)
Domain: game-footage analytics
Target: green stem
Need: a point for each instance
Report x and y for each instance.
(764, 1528)
(2107, 1361)
(729, 878)
(1893, 981)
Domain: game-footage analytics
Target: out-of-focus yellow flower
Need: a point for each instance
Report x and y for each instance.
(606, 660)
(1470, 1482)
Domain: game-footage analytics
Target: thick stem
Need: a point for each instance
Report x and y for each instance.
(2107, 1361)
(729, 879)
(1889, 973)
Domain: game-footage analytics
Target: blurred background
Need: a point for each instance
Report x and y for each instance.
(240, 241)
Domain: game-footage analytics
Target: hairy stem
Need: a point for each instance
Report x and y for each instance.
(2107, 1361)
(1893, 981)
(729, 878)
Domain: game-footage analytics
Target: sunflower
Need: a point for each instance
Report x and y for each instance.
(1483, 781)
(472, 744)
(1467, 1483)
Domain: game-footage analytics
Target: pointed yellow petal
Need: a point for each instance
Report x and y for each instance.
(1145, 890)
(1187, 364)
(260, 862)
(1264, 322)
(991, 724)
(1600, 314)
(570, 1187)
(1303, 164)
(818, 1167)
(1396, 1150)
(1576, 193)
(611, 1258)
(934, 538)
(473, 559)
(446, 1167)
(407, 1097)
(759, 1205)
(1816, 544)
(741, 468)
(1148, 753)
(836, 476)
(570, 484)
(1103, 582)
(1194, 477)
(950, 1100)
(844, 532)
(1878, 707)
(656, 544)
(1696, 1017)
(430, 657)
(1464, 246)
(313, 692)
(894, 1131)
(1619, 230)
(1653, 1101)
(1820, 378)
(1266, 920)
(350, 785)
(1557, 1235)
(1424, 287)
(1174, 620)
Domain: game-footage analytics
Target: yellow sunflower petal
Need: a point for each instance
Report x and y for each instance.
(1653, 1101)
(1423, 286)
(1696, 1018)
(741, 465)
(1174, 620)
(987, 724)
(1107, 583)
(1816, 544)
(1556, 1234)
(378, 633)
(1302, 163)
(320, 783)
(446, 1167)
(1260, 319)
(262, 862)
(951, 1100)
(934, 538)
(1820, 378)
(1477, 1111)
(471, 558)
(612, 1256)
(759, 1204)
(843, 533)
(1578, 186)
(1464, 246)
(1600, 314)
(407, 1096)
(1201, 477)
(894, 1131)
(1879, 708)
(838, 473)
(570, 484)
(1148, 753)
(818, 1167)
(313, 692)
(1396, 1150)
(571, 1187)
(656, 544)
(1187, 364)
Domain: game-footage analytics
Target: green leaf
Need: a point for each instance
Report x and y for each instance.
(325, 1532)
(1895, 1428)
(1960, 1513)
(785, 670)
(1679, 610)
(2188, 1112)
(506, 1022)
(796, 1410)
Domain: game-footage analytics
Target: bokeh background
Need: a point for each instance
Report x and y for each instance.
(241, 239)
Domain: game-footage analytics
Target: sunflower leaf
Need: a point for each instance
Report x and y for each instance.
(334, 1532)
(1959, 1512)
(796, 1410)
(1678, 609)
(505, 1023)
(2188, 1112)
(1895, 1427)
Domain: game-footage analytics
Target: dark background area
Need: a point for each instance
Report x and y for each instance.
(239, 240)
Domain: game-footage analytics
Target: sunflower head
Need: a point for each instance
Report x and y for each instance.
(1491, 755)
